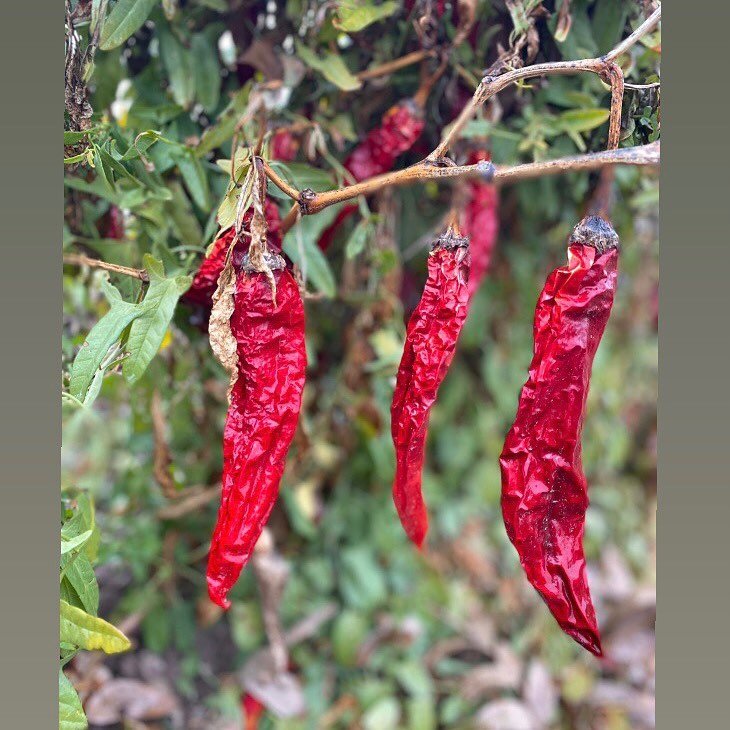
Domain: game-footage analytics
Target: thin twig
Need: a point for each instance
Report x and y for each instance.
(491, 85)
(655, 85)
(392, 66)
(616, 77)
(284, 186)
(189, 500)
(640, 155)
(78, 259)
(437, 166)
(644, 29)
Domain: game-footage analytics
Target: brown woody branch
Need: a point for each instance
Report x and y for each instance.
(436, 165)
(395, 65)
(309, 203)
(77, 259)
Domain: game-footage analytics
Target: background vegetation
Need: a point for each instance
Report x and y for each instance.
(453, 637)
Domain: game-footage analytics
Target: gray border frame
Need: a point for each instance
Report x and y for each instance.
(694, 500)
(31, 199)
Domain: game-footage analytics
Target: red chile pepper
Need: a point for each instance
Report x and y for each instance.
(544, 490)
(431, 337)
(480, 224)
(262, 417)
(253, 711)
(206, 278)
(401, 126)
(284, 146)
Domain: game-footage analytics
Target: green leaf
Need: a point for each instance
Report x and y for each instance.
(227, 208)
(354, 15)
(73, 137)
(206, 72)
(609, 19)
(195, 179)
(101, 337)
(76, 158)
(383, 715)
(348, 633)
(331, 66)
(300, 245)
(113, 165)
(148, 330)
(223, 129)
(178, 64)
(125, 19)
(184, 222)
(79, 574)
(84, 519)
(89, 632)
(302, 176)
(583, 120)
(142, 143)
(362, 581)
(70, 712)
(75, 542)
(358, 238)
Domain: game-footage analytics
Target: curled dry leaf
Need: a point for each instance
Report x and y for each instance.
(565, 21)
(467, 13)
(161, 456)
(280, 692)
(121, 699)
(539, 693)
(504, 673)
(506, 714)
(222, 342)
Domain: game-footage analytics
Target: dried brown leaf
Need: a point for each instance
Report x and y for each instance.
(222, 341)
(504, 673)
(506, 714)
(161, 456)
(540, 693)
(120, 699)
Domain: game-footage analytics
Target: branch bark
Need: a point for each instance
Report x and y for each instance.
(77, 259)
(436, 165)
(310, 203)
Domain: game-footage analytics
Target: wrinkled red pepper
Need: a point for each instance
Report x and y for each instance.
(262, 418)
(283, 146)
(431, 337)
(480, 224)
(206, 277)
(544, 490)
(401, 126)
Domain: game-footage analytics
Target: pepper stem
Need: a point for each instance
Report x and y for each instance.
(595, 232)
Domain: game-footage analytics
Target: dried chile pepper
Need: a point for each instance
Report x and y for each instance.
(262, 416)
(401, 126)
(544, 490)
(431, 337)
(206, 277)
(480, 223)
(283, 146)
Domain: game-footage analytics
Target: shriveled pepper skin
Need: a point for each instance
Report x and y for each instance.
(284, 146)
(480, 223)
(262, 419)
(205, 279)
(401, 126)
(544, 490)
(431, 337)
